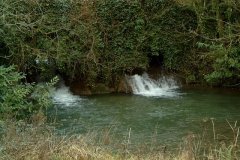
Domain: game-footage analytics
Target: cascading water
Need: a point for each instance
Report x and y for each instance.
(144, 85)
(64, 97)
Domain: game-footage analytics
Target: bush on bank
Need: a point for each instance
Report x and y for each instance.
(21, 100)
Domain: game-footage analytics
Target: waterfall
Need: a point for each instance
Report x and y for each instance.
(63, 96)
(144, 85)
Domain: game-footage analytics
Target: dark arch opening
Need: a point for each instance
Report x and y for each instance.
(155, 61)
(4, 53)
(155, 66)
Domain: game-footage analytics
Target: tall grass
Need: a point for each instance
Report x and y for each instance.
(21, 141)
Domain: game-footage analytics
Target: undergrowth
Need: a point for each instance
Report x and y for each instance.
(22, 141)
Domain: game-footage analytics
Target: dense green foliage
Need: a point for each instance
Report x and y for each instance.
(218, 40)
(19, 100)
(98, 41)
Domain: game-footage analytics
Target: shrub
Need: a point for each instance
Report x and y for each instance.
(19, 100)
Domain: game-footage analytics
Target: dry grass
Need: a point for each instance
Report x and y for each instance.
(22, 141)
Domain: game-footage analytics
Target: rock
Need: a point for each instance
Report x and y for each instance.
(101, 88)
(123, 86)
(79, 88)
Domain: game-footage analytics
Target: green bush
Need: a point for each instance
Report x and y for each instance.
(19, 100)
(226, 66)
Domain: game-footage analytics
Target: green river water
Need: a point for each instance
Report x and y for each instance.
(164, 120)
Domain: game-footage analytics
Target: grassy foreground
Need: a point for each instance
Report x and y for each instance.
(21, 141)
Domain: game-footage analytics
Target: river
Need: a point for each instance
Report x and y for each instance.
(164, 118)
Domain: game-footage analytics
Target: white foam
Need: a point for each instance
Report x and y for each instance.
(64, 96)
(144, 85)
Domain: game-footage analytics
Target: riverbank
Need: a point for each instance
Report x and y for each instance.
(156, 75)
(40, 142)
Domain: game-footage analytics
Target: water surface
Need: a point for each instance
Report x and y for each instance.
(166, 120)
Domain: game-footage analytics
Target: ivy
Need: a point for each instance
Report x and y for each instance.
(100, 40)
